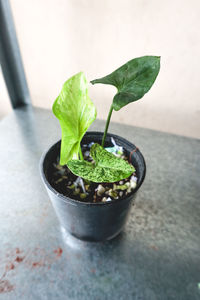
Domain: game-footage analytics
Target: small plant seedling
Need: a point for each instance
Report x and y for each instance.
(76, 112)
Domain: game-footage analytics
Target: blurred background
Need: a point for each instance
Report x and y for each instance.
(59, 38)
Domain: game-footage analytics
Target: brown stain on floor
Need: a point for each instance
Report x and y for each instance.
(34, 258)
(19, 259)
(6, 286)
(58, 252)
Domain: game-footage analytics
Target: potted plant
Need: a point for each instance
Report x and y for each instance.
(91, 177)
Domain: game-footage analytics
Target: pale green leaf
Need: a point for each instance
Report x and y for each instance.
(107, 167)
(75, 112)
(132, 80)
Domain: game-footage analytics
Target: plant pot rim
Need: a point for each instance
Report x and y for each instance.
(78, 202)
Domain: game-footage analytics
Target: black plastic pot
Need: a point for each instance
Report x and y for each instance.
(92, 221)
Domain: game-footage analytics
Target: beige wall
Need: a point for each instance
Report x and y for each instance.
(58, 38)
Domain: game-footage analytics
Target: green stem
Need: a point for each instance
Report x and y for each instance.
(107, 124)
(81, 154)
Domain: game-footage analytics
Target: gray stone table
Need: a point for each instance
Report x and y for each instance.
(156, 257)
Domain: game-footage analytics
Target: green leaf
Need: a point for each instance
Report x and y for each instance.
(133, 79)
(107, 167)
(75, 112)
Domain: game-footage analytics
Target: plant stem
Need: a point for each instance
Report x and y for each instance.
(81, 154)
(107, 124)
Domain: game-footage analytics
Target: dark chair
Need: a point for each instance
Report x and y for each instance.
(10, 59)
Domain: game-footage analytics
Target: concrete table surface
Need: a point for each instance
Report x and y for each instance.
(157, 256)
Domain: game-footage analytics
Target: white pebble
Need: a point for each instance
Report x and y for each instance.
(109, 192)
(87, 153)
(108, 199)
(114, 187)
(90, 144)
(134, 178)
(100, 190)
(133, 184)
(128, 184)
